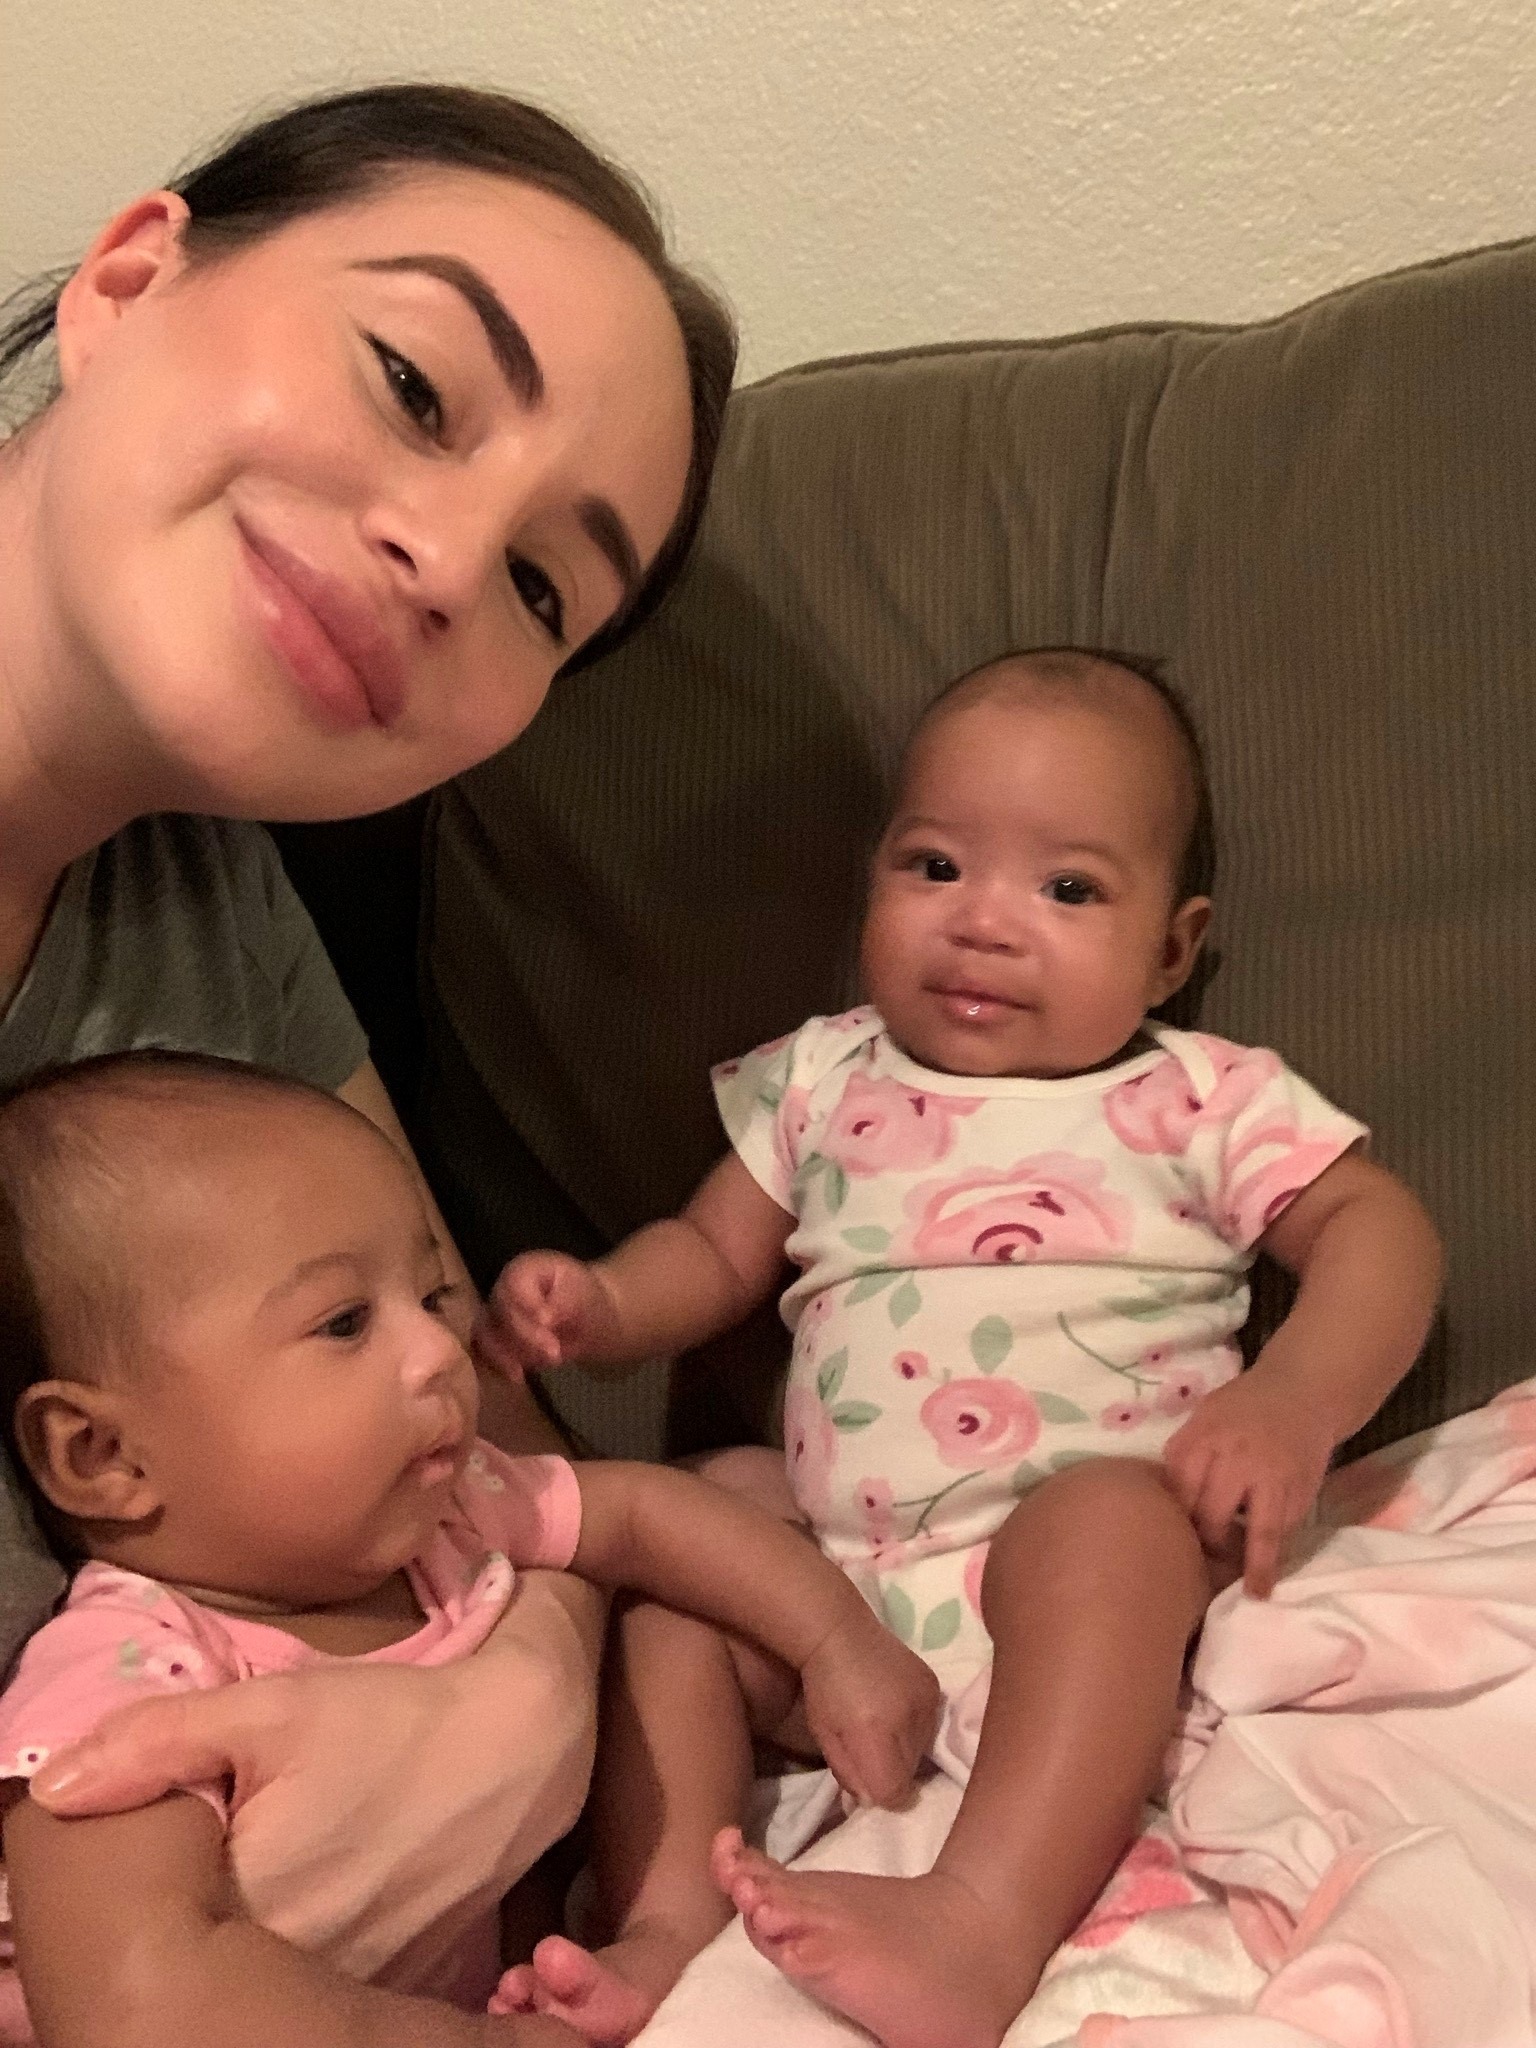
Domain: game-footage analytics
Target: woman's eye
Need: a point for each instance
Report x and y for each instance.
(416, 397)
(938, 867)
(436, 1302)
(539, 595)
(346, 1323)
(1072, 889)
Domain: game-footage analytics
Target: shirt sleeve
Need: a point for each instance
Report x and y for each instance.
(1265, 1135)
(528, 1508)
(119, 1644)
(764, 1114)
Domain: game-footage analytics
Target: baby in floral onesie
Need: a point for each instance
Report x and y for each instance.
(1023, 1214)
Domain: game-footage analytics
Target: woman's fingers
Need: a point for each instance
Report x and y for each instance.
(142, 1751)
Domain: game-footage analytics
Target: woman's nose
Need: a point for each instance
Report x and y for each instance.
(441, 542)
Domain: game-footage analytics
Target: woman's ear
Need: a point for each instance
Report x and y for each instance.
(75, 1441)
(137, 249)
(1181, 947)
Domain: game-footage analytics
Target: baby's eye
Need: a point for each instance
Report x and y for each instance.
(539, 595)
(347, 1323)
(1073, 889)
(416, 397)
(938, 867)
(436, 1301)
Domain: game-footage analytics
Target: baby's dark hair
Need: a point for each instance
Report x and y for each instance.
(1068, 666)
(70, 1294)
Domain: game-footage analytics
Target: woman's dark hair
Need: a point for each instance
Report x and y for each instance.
(326, 152)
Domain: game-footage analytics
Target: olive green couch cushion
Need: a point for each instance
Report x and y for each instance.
(1326, 523)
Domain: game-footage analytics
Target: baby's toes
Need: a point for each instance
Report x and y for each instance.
(515, 1993)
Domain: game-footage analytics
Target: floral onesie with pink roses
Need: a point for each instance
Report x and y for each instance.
(1000, 1277)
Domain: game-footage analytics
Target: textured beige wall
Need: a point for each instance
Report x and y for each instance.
(881, 171)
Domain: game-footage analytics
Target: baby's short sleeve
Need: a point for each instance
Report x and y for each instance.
(527, 1508)
(765, 1098)
(753, 1096)
(1261, 1134)
(121, 1638)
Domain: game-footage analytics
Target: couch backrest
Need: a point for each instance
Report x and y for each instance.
(1326, 523)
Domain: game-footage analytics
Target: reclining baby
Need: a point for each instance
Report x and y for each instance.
(245, 1416)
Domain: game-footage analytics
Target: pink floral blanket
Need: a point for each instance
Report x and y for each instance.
(1348, 1854)
(1357, 1770)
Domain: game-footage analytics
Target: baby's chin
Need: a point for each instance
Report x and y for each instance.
(989, 1055)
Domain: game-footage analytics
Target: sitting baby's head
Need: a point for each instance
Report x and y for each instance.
(225, 1358)
(1043, 882)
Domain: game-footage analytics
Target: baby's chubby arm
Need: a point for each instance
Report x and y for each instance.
(666, 1288)
(1370, 1264)
(130, 1933)
(871, 1703)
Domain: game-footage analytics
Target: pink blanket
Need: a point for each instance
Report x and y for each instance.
(1357, 1772)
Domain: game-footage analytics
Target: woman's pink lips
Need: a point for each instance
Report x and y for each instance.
(324, 636)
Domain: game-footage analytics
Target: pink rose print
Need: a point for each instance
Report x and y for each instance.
(1251, 1200)
(794, 1113)
(1159, 1111)
(1053, 1206)
(877, 1510)
(812, 1325)
(810, 1450)
(880, 1126)
(912, 1365)
(1124, 1415)
(1179, 1391)
(1148, 1880)
(981, 1422)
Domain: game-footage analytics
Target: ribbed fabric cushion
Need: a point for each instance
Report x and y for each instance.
(1327, 523)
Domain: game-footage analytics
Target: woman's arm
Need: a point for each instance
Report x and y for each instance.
(130, 1933)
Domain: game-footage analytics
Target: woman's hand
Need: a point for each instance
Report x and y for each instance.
(369, 1795)
(546, 1309)
(873, 1708)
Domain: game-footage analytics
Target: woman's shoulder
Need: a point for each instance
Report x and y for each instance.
(182, 931)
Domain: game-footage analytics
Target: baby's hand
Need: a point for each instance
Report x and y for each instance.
(1249, 1446)
(872, 1706)
(546, 1309)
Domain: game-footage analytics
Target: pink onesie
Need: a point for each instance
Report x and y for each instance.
(120, 1636)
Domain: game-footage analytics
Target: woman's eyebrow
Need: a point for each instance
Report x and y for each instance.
(520, 367)
(509, 345)
(608, 531)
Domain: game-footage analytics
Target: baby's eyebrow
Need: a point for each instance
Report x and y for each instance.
(308, 1269)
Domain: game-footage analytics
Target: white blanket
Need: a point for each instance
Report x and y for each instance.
(1348, 1859)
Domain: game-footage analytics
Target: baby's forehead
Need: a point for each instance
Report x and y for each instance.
(1024, 697)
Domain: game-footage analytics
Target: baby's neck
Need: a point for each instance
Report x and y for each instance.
(343, 1628)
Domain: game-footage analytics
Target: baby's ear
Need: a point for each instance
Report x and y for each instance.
(75, 1441)
(1181, 946)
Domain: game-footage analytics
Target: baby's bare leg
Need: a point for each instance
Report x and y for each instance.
(1092, 1589)
(682, 1703)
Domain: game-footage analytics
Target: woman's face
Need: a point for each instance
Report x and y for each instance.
(321, 519)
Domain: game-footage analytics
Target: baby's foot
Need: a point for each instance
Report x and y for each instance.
(918, 1961)
(606, 1995)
